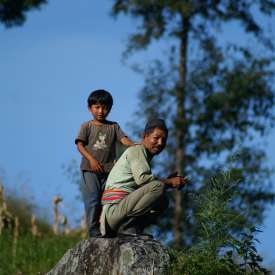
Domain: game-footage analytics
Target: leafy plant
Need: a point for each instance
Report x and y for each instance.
(218, 248)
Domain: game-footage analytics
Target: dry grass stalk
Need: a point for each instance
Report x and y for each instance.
(34, 227)
(56, 201)
(1, 208)
(6, 217)
(1, 194)
(15, 236)
(64, 222)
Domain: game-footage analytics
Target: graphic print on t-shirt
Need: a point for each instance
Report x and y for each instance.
(100, 143)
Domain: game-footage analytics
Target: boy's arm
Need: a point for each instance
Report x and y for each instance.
(95, 165)
(126, 141)
(122, 137)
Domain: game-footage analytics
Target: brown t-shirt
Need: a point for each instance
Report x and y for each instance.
(100, 142)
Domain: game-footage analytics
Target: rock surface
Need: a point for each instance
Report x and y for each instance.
(116, 256)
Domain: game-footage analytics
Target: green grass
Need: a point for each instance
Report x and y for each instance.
(33, 255)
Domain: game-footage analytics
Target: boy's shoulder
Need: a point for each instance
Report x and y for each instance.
(111, 123)
(86, 123)
(89, 123)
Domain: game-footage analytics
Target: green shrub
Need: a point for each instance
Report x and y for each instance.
(219, 249)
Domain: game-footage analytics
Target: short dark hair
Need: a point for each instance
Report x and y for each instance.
(100, 97)
(153, 124)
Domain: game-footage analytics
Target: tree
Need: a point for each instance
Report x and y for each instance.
(13, 12)
(216, 95)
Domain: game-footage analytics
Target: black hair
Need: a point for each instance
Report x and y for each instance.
(100, 97)
(155, 123)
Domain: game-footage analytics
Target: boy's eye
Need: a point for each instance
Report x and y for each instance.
(101, 107)
(98, 107)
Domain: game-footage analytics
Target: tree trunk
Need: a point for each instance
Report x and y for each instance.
(179, 211)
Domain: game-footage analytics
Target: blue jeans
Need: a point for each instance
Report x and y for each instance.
(92, 186)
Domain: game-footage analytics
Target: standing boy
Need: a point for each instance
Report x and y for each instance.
(96, 142)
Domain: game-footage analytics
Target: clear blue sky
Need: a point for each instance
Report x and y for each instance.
(47, 69)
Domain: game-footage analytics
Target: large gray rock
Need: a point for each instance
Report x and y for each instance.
(117, 256)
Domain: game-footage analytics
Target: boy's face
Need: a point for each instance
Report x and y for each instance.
(99, 111)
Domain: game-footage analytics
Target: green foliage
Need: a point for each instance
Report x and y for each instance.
(158, 19)
(32, 255)
(201, 263)
(218, 250)
(27, 244)
(215, 215)
(13, 12)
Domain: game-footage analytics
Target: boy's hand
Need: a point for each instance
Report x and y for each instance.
(96, 166)
(127, 142)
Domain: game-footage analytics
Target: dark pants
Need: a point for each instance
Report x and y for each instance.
(92, 186)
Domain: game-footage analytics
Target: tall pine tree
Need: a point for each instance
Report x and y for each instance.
(215, 93)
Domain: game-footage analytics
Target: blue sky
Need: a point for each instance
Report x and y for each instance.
(47, 69)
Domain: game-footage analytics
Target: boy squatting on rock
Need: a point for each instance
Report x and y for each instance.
(96, 143)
